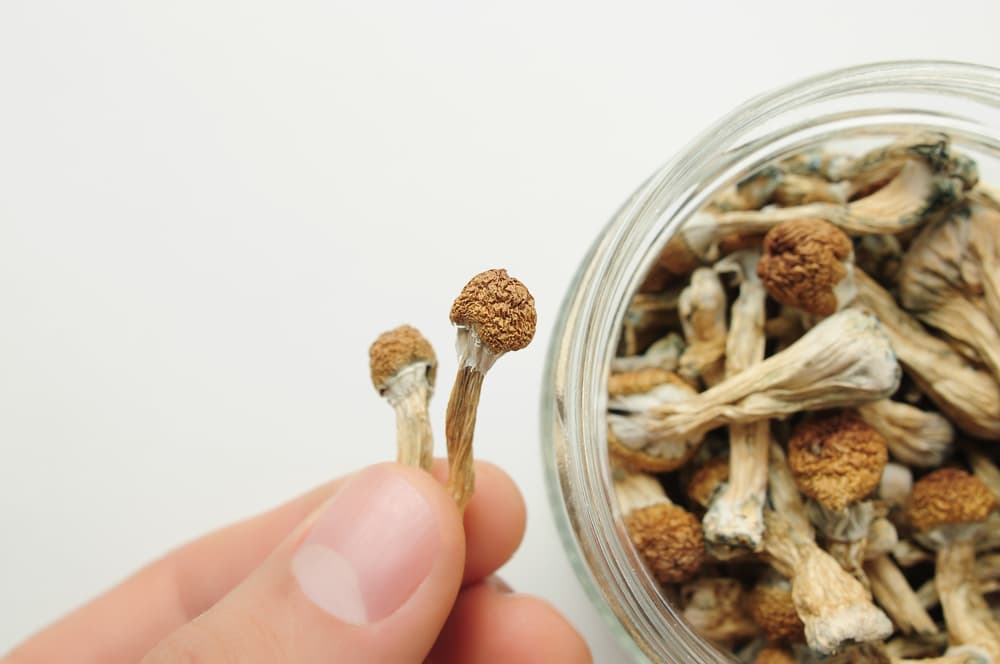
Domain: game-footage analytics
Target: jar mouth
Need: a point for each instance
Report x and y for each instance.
(863, 102)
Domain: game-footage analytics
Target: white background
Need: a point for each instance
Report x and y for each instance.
(209, 209)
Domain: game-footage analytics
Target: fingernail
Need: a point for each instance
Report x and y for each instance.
(368, 551)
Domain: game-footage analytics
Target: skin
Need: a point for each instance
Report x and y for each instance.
(168, 601)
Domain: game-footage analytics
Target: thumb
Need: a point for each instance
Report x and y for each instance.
(370, 577)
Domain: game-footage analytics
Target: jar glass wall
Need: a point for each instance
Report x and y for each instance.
(847, 108)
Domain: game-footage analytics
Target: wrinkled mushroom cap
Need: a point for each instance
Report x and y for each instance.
(771, 607)
(669, 538)
(498, 308)
(396, 349)
(949, 496)
(772, 655)
(803, 262)
(707, 479)
(837, 458)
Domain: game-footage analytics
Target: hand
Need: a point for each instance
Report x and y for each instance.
(373, 567)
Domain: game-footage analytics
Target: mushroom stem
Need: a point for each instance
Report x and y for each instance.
(845, 360)
(966, 613)
(735, 520)
(916, 437)
(702, 307)
(409, 395)
(834, 607)
(895, 595)
(969, 396)
(460, 425)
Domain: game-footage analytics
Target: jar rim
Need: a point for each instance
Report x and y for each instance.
(572, 412)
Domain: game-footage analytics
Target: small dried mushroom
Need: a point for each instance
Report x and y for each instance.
(761, 375)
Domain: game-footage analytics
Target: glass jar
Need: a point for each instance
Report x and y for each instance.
(872, 102)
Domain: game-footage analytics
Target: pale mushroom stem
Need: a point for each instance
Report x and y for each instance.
(834, 607)
(414, 439)
(897, 598)
(966, 613)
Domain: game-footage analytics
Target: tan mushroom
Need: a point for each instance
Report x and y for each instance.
(897, 598)
(946, 507)
(895, 485)
(716, 607)
(771, 606)
(773, 655)
(403, 367)
(667, 536)
(808, 264)
(664, 353)
(707, 480)
(837, 461)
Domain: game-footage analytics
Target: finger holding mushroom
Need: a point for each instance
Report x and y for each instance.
(666, 536)
(946, 507)
(403, 367)
(494, 314)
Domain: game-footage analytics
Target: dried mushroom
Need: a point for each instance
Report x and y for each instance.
(761, 375)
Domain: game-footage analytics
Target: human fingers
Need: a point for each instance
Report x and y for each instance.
(490, 624)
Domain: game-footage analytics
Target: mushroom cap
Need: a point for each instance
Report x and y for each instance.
(670, 540)
(771, 607)
(707, 479)
(803, 261)
(396, 349)
(949, 496)
(772, 655)
(837, 458)
(499, 309)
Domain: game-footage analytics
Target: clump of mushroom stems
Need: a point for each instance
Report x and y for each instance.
(834, 607)
(844, 361)
(969, 396)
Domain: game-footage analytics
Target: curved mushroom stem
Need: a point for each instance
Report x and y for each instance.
(734, 522)
(969, 396)
(844, 361)
(895, 595)
(966, 613)
(915, 437)
(460, 424)
(834, 607)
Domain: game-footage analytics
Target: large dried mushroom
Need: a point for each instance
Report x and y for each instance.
(831, 323)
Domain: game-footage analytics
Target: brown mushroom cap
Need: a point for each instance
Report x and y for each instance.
(772, 655)
(396, 349)
(803, 261)
(771, 607)
(707, 479)
(499, 309)
(949, 496)
(837, 458)
(670, 540)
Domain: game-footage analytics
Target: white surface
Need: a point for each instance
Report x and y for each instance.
(209, 209)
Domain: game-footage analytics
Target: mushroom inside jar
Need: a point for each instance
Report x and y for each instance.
(793, 329)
